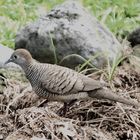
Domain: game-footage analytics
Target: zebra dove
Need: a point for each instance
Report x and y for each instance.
(59, 83)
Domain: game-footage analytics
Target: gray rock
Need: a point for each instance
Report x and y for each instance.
(5, 54)
(73, 31)
(134, 37)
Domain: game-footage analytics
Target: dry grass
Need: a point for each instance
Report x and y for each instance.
(22, 118)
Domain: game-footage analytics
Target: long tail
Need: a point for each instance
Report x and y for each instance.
(108, 94)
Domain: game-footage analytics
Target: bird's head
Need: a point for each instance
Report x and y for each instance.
(21, 57)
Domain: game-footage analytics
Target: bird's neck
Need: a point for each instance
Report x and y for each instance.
(31, 72)
(28, 67)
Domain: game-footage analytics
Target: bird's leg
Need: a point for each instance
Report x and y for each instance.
(71, 103)
(43, 103)
(63, 110)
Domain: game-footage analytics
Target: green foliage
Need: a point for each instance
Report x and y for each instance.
(16, 13)
(53, 48)
(112, 67)
(121, 16)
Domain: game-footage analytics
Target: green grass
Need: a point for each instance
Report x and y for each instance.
(110, 70)
(14, 14)
(120, 16)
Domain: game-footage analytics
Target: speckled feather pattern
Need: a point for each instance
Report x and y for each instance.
(58, 83)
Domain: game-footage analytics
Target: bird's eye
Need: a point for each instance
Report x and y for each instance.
(15, 57)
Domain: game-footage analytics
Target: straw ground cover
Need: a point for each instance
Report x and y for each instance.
(23, 116)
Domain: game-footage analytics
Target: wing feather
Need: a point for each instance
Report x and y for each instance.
(61, 80)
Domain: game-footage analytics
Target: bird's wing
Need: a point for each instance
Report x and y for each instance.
(90, 84)
(61, 80)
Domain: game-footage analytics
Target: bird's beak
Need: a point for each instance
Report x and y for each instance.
(8, 61)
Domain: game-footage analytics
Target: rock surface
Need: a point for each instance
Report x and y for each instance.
(5, 54)
(134, 37)
(73, 31)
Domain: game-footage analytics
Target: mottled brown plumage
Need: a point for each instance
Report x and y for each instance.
(59, 83)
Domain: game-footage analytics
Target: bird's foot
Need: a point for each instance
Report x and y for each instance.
(43, 103)
(63, 110)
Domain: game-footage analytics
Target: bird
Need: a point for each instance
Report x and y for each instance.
(59, 83)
